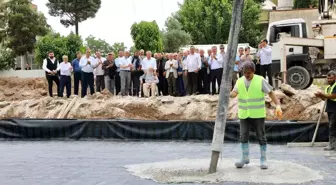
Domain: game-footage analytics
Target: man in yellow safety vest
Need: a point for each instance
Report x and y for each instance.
(330, 96)
(251, 90)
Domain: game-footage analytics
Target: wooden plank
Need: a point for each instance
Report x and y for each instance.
(305, 144)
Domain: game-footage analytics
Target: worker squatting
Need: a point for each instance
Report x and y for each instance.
(251, 90)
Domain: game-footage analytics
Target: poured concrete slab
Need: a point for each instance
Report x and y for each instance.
(195, 171)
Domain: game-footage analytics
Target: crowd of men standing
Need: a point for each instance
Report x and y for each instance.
(190, 72)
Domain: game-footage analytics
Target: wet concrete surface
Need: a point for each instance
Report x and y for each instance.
(103, 162)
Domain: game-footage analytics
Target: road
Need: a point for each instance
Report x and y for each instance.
(102, 162)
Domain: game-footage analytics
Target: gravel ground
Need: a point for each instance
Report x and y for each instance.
(103, 162)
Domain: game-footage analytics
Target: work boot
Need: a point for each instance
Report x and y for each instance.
(263, 159)
(332, 144)
(245, 159)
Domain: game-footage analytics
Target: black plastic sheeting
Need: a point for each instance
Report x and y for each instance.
(277, 132)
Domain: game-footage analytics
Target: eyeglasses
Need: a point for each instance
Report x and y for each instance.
(221, 48)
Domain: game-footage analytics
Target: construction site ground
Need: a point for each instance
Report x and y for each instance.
(103, 162)
(28, 98)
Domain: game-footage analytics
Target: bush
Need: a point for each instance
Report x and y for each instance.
(7, 59)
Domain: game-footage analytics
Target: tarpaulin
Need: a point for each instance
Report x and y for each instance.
(277, 132)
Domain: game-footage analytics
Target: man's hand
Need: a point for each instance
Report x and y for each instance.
(179, 73)
(319, 94)
(196, 71)
(278, 112)
(186, 73)
(141, 82)
(88, 62)
(70, 68)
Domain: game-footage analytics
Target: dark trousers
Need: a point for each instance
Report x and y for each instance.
(77, 78)
(203, 81)
(267, 69)
(258, 124)
(87, 80)
(257, 69)
(216, 75)
(136, 84)
(117, 83)
(163, 85)
(50, 80)
(180, 86)
(332, 124)
(65, 81)
(100, 83)
(171, 84)
(192, 82)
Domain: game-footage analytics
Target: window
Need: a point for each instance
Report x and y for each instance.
(289, 30)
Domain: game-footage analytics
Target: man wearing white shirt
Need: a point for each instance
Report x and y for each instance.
(216, 65)
(66, 70)
(88, 64)
(185, 75)
(100, 82)
(149, 62)
(265, 54)
(51, 68)
(125, 74)
(193, 65)
(117, 77)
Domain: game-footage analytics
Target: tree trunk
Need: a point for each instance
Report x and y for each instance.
(76, 25)
(225, 87)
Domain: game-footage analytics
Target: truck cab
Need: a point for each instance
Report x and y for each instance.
(299, 65)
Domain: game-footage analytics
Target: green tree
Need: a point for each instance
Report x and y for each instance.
(146, 35)
(7, 59)
(118, 46)
(208, 21)
(305, 3)
(73, 43)
(60, 45)
(174, 37)
(132, 49)
(73, 12)
(23, 24)
(98, 44)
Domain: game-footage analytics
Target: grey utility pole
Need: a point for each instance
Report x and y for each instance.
(225, 87)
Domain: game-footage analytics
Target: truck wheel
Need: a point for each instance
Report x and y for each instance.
(310, 82)
(298, 77)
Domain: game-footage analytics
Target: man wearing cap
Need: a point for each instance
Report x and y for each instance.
(87, 64)
(251, 90)
(110, 71)
(51, 67)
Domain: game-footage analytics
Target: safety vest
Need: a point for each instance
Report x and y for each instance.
(251, 102)
(330, 90)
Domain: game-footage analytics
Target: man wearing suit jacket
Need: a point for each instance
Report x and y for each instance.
(171, 74)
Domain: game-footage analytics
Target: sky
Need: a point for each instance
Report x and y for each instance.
(115, 18)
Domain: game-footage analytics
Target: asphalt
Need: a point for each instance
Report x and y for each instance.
(102, 162)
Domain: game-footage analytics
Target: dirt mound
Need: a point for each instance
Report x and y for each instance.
(22, 88)
(27, 98)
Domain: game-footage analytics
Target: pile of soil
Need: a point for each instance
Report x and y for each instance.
(28, 98)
